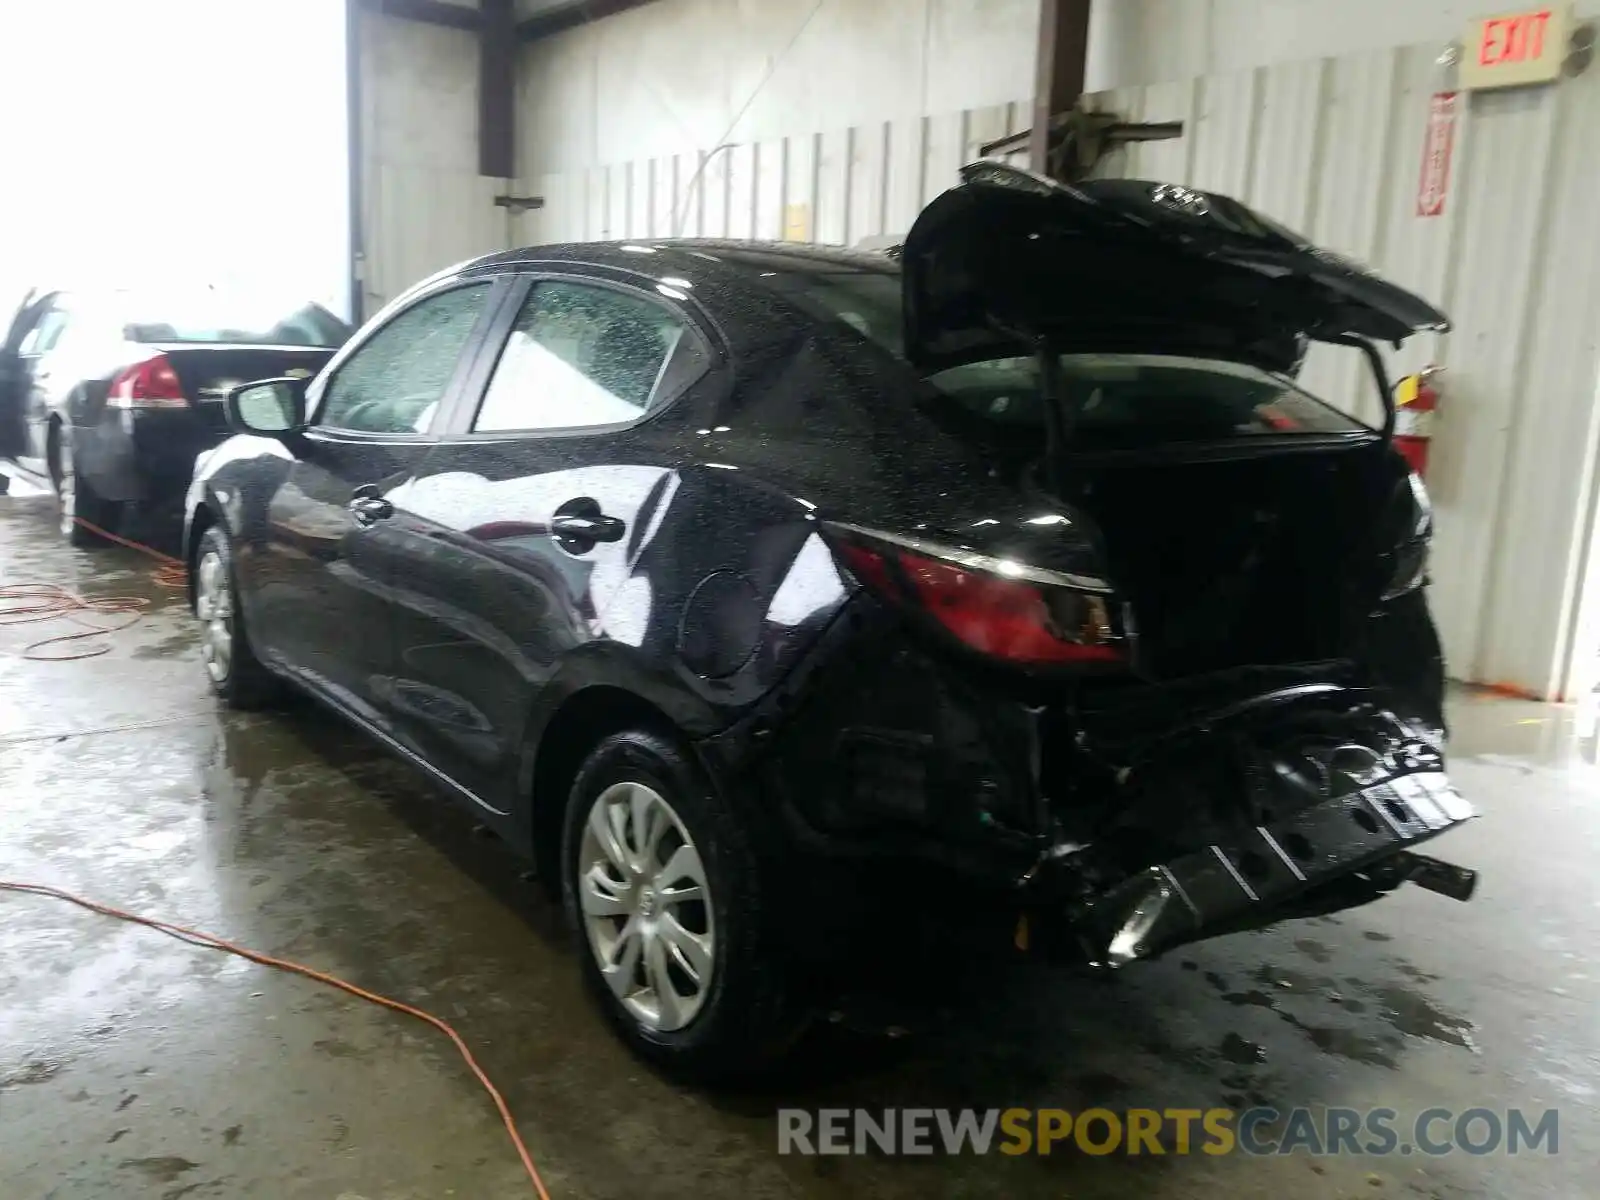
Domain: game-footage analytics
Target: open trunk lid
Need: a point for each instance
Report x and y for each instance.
(209, 372)
(1010, 259)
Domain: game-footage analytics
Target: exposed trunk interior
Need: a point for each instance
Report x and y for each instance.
(1262, 560)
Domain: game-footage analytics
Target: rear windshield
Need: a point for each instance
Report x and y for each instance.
(216, 319)
(1119, 399)
(1126, 399)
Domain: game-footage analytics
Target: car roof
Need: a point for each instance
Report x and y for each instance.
(729, 257)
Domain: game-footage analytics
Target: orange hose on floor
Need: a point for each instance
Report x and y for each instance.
(172, 574)
(24, 602)
(21, 603)
(213, 942)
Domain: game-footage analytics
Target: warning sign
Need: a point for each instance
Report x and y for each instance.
(1438, 147)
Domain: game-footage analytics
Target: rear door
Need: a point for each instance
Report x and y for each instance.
(522, 523)
(322, 580)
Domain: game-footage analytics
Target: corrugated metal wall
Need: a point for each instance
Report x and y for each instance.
(1332, 147)
(839, 186)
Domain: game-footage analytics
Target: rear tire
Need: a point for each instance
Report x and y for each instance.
(666, 894)
(78, 500)
(234, 672)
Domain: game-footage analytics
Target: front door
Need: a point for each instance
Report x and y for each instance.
(525, 519)
(30, 334)
(322, 574)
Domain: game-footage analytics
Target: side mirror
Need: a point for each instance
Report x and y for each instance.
(270, 407)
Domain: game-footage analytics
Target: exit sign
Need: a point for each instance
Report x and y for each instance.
(1516, 48)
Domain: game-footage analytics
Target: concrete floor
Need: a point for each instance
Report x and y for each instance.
(132, 1065)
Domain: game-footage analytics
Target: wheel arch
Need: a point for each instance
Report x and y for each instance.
(557, 750)
(201, 519)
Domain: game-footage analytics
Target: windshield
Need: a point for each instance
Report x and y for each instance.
(214, 318)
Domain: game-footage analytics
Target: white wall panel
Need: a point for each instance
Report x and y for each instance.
(1550, 451)
(1492, 301)
(834, 186)
(1355, 167)
(687, 73)
(769, 184)
(869, 180)
(1223, 132)
(424, 205)
(1287, 146)
(798, 214)
(944, 150)
(1172, 159)
(708, 197)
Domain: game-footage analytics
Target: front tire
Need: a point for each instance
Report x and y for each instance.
(234, 672)
(672, 916)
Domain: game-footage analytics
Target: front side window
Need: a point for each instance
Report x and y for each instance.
(582, 355)
(395, 381)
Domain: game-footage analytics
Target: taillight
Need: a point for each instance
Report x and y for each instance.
(1002, 609)
(148, 384)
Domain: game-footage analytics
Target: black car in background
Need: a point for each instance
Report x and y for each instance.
(772, 597)
(108, 398)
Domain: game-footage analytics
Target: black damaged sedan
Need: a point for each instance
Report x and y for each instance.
(763, 593)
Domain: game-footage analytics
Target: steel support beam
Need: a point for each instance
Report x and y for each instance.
(1061, 68)
(497, 89)
(429, 12)
(562, 17)
(355, 110)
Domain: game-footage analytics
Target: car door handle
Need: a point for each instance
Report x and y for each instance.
(368, 510)
(588, 527)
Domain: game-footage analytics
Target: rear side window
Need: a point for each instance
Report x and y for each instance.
(1136, 400)
(584, 355)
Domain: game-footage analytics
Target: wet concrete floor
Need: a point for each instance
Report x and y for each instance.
(133, 1066)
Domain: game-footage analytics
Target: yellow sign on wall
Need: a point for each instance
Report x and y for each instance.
(797, 223)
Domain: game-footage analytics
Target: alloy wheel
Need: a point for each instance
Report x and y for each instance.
(214, 607)
(646, 906)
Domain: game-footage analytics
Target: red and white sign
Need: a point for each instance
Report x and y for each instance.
(1515, 49)
(1438, 147)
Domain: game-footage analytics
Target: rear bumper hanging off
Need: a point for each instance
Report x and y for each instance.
(1220, 888)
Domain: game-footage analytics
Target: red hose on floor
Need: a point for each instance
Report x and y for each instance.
(213, 942)
(41, 602)
(21, 603)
